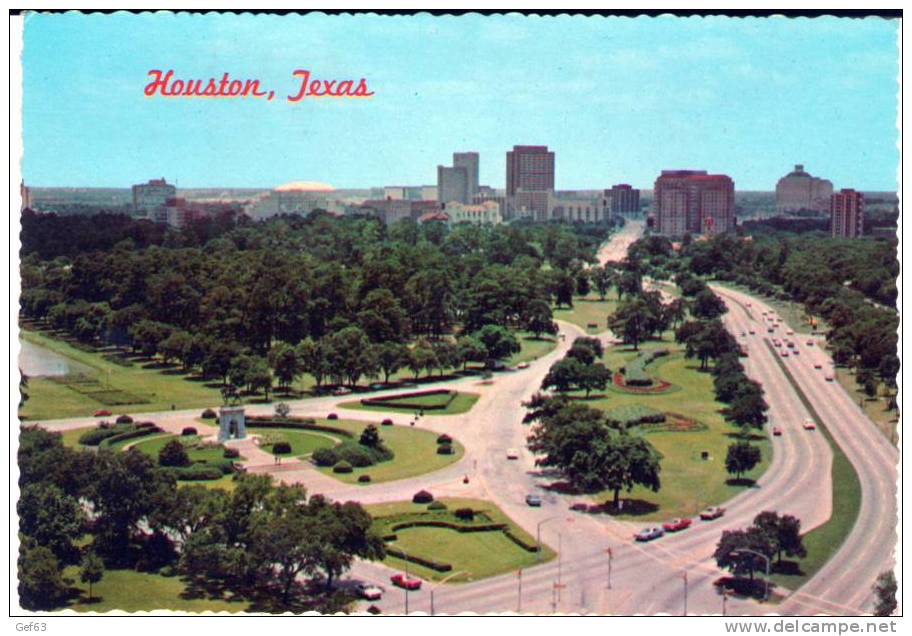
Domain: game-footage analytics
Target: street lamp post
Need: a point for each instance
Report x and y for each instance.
(519, 591)
(538, 527)
(610, 558)
(441, 582)
(766, 559)
(685, 593)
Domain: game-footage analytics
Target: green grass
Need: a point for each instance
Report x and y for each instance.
(153, 390)
(689, 483)
(462, 403)
(415, 453)
(532, 348)
(71, 437)
(131, 591)
(478, 554)
(825, 540)
(303, 443)
(153, 445)
(587, 311)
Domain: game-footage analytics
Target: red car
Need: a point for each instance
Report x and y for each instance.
(777, 431)
(401, 580)
(102, 413)
(676, 525)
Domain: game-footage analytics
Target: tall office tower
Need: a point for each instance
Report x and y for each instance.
(469, 161)
(452, 184)
(691, 201)
(847, 213)
(530, 168)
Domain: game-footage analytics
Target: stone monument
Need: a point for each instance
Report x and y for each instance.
(232, 423)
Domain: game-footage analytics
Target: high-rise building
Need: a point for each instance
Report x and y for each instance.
(530, 182)
(847, 213)
(452, 184)
(625, 199)
(798, 191)
(469, 161)
(152, 195)
(692, 201)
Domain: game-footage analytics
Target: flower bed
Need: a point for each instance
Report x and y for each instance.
(658, 385)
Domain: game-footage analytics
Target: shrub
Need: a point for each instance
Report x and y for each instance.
(282, 409)
(188, 430)
(325, 457)
(96, 436)
(208, 414)
(437, 505)
(364, 479)
(124, 419)
(342, 467)
(465, 514)
(370, 437)
(387, 422)
(355, 455)
(444, 449)
(373, 609)
(146, 425)
(173, 454)
(332, 416)
(281, 448)
(231, 453)
(198, 472)
(422, 497)
(444, 439)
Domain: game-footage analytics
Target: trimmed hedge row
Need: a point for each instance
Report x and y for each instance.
(411, 558)
(305, 425)
(396, 401)
(201, 471)
(635, 370)
(134, 434)
(634, 414)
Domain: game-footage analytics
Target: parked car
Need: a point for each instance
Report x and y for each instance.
(790, 333)
(102, 413)
(405, 582)
(512, 453)
(377, 386)
(533, 500)
(579, 506)
(713, 512)
(829, 378)
(648, 534)
(370, 592)
(676, 525)
(751, 332)
(769, 330)
(777, 431)
(810, 343)
(789, 344)
(785, 353)
(342, 391)
(522, 365)
(808, 424)
(817, 365)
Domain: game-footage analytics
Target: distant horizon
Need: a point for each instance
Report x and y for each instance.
(616, 99)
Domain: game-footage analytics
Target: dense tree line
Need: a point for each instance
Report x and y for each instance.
(339, 298)
(257, 537)
(771, 535)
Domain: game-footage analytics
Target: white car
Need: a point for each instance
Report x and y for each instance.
(522, 365)
(369, 592)
(512, 453)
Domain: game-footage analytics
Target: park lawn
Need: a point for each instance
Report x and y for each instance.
(152, 446)
(131, 591)
(689, 483)
(884, 418)
(462, 403)
(478, 554)
(532, 348)
(153, 390)
(71, 437)
(587, 311)
(415, 452)
(303, 443)
(225, 482)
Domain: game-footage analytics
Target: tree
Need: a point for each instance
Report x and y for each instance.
(748, 406)
(594, 377)
(602, 277)
(676, 310)
(259, 376)
(586, 350)
(382, 318)
(783, 533)
(731, 551)
(390, 356)
(562, 287)
(91, 570)
(370, 437)
(707, 305)
(282, 410)
(625, 461)
(630, 283)
(538, 318)
(51, 518)
(630, 321)
(284, 362)
(564, 375)
(173, 454)
(470, 350)
(188, 510)
(885, 591)
(345, 354)
(498, 342)
(41, 586)
(311, 355)
(741, 458)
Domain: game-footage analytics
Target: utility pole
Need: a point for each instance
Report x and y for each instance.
(610, 558)
(441, 582)
(724, 602)
(685, 593)
(519, 591)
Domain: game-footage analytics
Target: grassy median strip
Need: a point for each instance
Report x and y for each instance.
(823, 541)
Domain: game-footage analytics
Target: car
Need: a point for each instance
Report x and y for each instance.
(102, 413)
(810, 343)
(405, 582)
(808, 424)
(534, 501)
(648, 534)
(748, 305)
(789, 344)
(817, 365)
(522, 365)
(829, 378)
(580, 506)
(776, 343)
(377, 386)
(769, 330)
(512, 453)
(743, 334)
(675, 525)
(777, 431)
(790, 333)
(369, 592)
(342, 391)
(713, 512)
(752, 332)
(785, 353)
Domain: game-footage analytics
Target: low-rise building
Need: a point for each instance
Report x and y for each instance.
(151, 195)
(486, 213)
(799, 191)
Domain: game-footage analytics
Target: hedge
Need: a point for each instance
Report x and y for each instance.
(342, 467)
(635, 370)
(422, 497)
(124, 419)
(411, 558)
(304, 425)
(208, 414)
(401, 401)
(96, 436)
(136, 433)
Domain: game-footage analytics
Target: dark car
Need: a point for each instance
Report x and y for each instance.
(533, 500)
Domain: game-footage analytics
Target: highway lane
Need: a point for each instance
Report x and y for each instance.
(846, 579)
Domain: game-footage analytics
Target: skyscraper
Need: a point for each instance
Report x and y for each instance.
(798, 191)
(624, 199)
(452, 184)
(692, 201)
(469, 161)
(847, 213)
(152, 195)
(530, 168)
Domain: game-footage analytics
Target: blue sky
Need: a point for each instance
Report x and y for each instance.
(618, 99)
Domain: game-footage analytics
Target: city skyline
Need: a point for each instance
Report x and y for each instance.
(744, 97)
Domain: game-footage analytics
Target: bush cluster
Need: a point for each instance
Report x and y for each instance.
(231, 453)
(635, 370)
(387, 422)
(444, 449)
(332, 416)
(444, 439)
(422, 497)
(188, 430)
(281, 448)
(364, 479)
(342, 467)
(464, 514)
(124, 419)
(437, 505)
(208, 414)
(352, 452)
